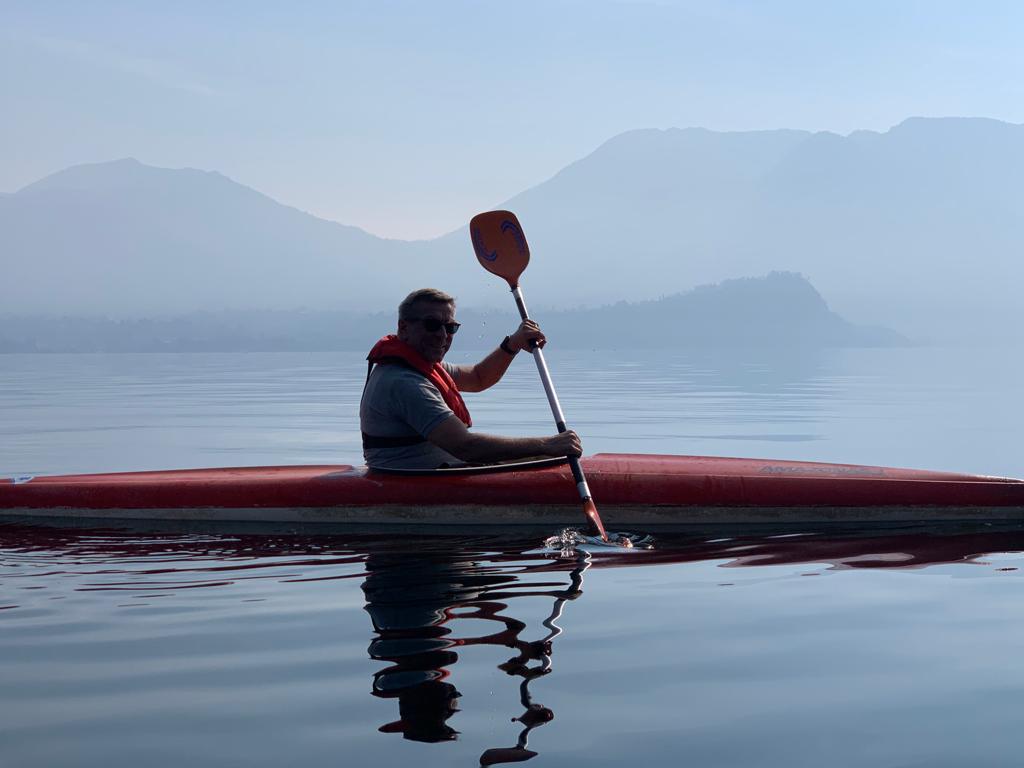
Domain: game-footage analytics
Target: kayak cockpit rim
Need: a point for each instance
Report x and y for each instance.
(482, 469)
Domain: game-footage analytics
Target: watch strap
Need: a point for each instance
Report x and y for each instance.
(506, 347)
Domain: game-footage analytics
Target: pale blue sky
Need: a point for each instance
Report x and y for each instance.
(405, 118)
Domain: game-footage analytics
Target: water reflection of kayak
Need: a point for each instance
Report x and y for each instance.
(631, 489)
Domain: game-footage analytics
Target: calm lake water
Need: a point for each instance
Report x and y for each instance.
(209, 646)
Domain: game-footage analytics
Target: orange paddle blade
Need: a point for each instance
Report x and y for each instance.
(590, 510)
(500, 244)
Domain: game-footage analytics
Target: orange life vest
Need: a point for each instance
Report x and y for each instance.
(391, 350)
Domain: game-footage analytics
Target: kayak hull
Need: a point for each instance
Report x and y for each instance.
(614, 517)
(630, 489)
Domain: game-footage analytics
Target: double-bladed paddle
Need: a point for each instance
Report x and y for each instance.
(501, 248)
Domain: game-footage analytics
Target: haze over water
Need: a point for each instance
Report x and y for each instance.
(931, 408)
(213, 646)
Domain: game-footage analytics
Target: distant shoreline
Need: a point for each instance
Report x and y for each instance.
(776, 311)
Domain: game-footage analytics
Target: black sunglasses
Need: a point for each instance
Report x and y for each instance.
(433, 325)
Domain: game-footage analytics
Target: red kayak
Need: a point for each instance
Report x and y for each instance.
(630, 489)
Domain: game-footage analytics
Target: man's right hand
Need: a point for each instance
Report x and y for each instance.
(451, 435)
(564, 444)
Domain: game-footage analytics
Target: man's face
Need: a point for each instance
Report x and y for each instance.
(432, 345)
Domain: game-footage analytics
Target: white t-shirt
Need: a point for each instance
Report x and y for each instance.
(401, 402)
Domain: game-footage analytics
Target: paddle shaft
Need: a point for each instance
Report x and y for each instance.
(556, 411)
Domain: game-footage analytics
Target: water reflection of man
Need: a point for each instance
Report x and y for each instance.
(409, 599)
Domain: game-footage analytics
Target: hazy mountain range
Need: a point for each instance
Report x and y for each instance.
(781, 310)
(919, 228)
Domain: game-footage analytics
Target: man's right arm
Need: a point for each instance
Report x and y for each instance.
(452, 436)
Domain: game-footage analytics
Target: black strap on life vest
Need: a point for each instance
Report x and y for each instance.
(386, 361)
(374, 441)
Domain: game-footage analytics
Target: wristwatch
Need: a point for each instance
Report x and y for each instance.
(506, 348)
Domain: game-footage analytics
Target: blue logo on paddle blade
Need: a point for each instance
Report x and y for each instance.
(481, 251)
(517, 233)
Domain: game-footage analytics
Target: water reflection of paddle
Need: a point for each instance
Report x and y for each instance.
(535, 715)
(412, 598)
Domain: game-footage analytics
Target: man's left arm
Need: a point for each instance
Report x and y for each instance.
(488, 372)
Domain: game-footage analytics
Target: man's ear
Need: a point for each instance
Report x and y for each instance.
(402, 326)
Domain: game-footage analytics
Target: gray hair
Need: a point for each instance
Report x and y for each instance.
(422, 296)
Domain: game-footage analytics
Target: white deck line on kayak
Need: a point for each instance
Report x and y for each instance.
(533, 515)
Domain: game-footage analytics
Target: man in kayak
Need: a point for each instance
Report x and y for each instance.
(412, 415)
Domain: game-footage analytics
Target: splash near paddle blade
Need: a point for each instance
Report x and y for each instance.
(500, 244)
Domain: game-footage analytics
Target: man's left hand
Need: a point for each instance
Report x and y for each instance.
(527, 333)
